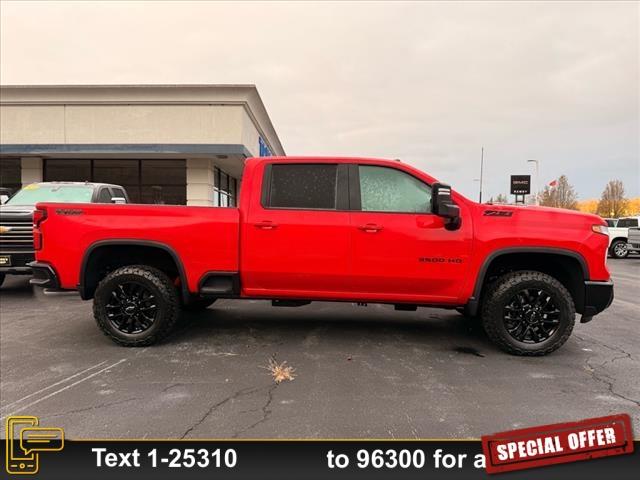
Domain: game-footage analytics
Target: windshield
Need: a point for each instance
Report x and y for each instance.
(34, 193)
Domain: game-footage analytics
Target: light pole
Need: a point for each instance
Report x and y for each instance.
(537, 191)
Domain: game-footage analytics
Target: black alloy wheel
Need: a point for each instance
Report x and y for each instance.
(528, 313)
(136, 305)
(531, 316)
(132, 307)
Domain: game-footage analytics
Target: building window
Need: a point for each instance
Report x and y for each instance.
(163, 181)
(11, 173)
(119, 172)
(146, 181)
(76, 170)
(225, 189)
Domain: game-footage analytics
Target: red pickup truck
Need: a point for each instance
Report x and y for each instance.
(331, 229)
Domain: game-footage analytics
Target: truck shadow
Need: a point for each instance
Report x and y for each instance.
(17, 286)
(257, 323)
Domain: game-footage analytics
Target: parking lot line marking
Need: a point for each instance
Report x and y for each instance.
(64, 380)
(624, 303)
(42, 399)
(632, 281)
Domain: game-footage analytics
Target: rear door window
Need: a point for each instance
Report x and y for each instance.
(104, 196)
(118, 193)
(303, 186)
(627, 222)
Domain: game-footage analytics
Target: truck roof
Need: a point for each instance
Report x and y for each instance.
(322, 159)
(254, 161)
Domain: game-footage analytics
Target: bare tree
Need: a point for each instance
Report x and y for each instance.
(501, 198)
(613, 203)
(561, 195)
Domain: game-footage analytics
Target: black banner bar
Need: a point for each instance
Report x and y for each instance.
(296, 460)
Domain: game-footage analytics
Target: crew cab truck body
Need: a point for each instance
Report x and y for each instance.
(333, 229)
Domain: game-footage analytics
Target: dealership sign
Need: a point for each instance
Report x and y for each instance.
(265, 151)
(520, 184)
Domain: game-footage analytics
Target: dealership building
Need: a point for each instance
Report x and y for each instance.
(171, 144)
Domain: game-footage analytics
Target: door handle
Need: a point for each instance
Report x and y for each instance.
(370, 228)
(266, 225)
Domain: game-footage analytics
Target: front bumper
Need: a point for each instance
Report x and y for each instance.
(597, 297)
(44, 276)
(19, 263)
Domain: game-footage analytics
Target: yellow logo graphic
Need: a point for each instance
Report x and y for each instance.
(5, 229)
(25, 440)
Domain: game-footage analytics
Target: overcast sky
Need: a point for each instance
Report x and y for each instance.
(429, 83)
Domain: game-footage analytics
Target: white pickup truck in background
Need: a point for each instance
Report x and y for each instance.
(619, 235)
(633, 244)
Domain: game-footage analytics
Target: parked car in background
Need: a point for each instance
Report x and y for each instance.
(633, 245)
(16, 217)
(5, 194)
(619, 235)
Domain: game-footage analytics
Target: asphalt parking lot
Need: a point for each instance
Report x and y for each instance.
(361, 372)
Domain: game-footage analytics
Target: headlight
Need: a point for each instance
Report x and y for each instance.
(603, 229)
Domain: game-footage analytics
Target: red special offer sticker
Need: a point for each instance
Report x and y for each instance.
(558, 443)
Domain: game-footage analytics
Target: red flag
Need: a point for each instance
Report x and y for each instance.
(553, 183)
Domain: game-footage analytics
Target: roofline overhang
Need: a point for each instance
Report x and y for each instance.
(122, 150)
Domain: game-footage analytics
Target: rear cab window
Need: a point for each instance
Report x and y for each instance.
(302, 186)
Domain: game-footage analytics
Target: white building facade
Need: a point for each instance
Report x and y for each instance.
(171, 144)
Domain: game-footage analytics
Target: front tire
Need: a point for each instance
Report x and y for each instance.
(2, 277)
(528, 313)
(619, 249)
(136, 305)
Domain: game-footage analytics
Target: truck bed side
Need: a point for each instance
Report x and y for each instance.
(202, 239)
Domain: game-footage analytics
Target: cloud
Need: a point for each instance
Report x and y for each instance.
(429, 83)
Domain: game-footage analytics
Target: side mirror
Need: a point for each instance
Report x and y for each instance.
(442, 204)
(119, 200)
(3, 199)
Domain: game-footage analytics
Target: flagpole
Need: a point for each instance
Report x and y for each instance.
(481, 169)
(536, 197)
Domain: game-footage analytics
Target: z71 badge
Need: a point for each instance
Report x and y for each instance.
(497, 213)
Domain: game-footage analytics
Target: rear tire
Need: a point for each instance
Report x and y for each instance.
(619, 249)
(528, 313)
(136, 305)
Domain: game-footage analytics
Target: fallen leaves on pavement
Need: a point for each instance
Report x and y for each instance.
(280, 371)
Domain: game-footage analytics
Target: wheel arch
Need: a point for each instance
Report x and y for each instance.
(89, 279)
(619, 239)
(545, 259)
